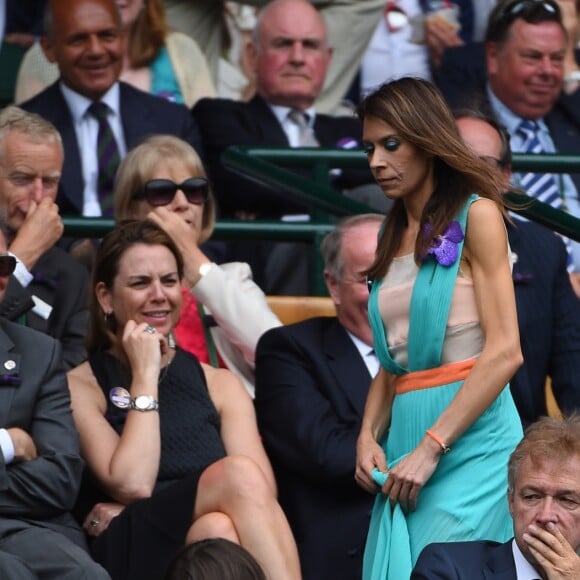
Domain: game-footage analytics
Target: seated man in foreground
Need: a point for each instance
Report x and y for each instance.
(40, 465)
(544, 499)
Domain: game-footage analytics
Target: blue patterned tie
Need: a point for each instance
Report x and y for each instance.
(541, 186)
(108, 157)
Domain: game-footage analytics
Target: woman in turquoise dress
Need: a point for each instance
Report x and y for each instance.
(439, 422)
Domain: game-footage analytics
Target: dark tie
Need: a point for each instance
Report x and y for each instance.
(542, 186)
(306, 134)
(108, 157)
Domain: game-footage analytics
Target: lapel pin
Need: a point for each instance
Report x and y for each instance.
(9, 365)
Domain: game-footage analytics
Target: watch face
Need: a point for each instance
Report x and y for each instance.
(143, 402)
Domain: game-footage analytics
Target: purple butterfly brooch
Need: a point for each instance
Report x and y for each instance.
(445, 247)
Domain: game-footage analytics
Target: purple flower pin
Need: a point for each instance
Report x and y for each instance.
(444, 247)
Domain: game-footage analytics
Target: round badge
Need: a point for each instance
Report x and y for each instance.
(120, 397)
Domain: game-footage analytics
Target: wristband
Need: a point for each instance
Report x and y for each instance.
(444, 448)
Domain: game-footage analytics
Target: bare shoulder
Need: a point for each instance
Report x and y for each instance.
(483, 210)
(224, 386)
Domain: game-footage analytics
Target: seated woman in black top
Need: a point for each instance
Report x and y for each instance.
(172, 446)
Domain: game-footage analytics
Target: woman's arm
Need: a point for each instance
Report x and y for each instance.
(125, 466)
(239, 428)
(375, 422)
(487, 263)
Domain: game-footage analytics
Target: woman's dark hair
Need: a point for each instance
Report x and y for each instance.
(102, 329)
(214, 559)
(418, 113)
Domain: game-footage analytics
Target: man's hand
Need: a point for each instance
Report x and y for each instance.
(440, 34)
(24, 447)
(41, 229)
(553, 552)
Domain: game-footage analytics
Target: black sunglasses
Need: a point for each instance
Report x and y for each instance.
(7, 265)
(532, 11)
(158, 192)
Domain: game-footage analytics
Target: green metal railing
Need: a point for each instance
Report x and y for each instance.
(269, 166)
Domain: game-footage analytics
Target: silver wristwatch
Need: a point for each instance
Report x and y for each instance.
(144, 403)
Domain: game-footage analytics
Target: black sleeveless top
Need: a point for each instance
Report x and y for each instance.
(189, 422)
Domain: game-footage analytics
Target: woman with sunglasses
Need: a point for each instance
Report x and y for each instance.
(171, 445)
(163, 180)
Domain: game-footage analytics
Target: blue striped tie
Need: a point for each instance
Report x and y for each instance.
(108, 157)
(542, 186)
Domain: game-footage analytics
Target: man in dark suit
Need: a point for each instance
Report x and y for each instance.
(312, 379)
(84, 39)
(40, 465)
(290, 56)
(544, 499)
(49, 290)
(532, 75)
(548, 310)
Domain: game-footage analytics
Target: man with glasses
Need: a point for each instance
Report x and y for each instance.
(40, 463)
(49, 289)
(548, 309)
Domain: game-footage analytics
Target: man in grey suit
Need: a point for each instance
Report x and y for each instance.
(40, 465)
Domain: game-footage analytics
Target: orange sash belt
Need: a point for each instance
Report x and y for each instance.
(433, 377)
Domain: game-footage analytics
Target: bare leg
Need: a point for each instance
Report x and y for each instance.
(237, 487)
(212, 525)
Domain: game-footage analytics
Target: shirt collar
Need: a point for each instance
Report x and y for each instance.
(282, 113)
(507, 117)
(78, 104)
(524, 570)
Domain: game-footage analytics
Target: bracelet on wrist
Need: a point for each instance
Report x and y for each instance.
(444, 448)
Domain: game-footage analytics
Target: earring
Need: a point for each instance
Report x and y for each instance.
(106, 316)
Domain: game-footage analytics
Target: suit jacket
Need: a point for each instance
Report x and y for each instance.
(34, 396)
(225, 122)
(142, 115)
(548, 319)
(462, 79)
(483, 560)
(63, 283)
(311, 387)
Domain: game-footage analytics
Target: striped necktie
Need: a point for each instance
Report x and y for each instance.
(305, 132)
(108, 157)
(542, 186)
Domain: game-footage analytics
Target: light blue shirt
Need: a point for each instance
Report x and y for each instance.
(86, 129)
(568, 191)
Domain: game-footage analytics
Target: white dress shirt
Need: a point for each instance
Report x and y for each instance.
(524, 570)
(367, 353)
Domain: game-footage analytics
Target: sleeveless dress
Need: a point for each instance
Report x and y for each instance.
(465, 498)
(142, 540)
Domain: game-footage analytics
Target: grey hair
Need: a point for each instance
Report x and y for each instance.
(331, 246)
(31, 125)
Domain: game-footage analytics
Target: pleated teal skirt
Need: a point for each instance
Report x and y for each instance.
(465, 498)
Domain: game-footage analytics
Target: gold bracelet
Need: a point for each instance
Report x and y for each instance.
(444, 448)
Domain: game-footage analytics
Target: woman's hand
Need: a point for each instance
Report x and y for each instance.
(369, 455)
(99, 518)
(143, 349)
(407, 478)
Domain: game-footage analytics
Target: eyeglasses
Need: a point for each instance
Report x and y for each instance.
(7, 265)
(159, 192)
